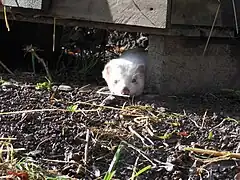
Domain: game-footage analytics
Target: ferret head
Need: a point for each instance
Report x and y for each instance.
(124, 79)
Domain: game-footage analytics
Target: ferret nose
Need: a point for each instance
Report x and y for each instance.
(125, 91)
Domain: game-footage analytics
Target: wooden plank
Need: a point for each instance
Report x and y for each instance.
(202, 12)
(141, 13)
(144, 13)
(129, 12)
(18, 15)
(32, 4)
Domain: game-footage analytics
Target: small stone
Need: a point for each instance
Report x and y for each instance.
(116, 116)
(33, 153)
(108, 100)
(162, 109)
(8, 85)
(54, 88)
(65, 88)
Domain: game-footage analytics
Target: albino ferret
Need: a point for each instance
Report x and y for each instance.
(126, 75)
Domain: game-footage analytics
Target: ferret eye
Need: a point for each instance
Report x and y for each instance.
(116, 81)
(134, 80)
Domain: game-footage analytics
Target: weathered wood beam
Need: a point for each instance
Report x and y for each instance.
(163, 17)
(34, 4)
(155, 14)
(173, 31)
(203, 12)
(144, 13)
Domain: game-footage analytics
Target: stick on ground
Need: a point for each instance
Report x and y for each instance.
(213, 152)
(6, 68)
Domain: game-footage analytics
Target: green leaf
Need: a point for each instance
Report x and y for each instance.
(143, 170)
(72, 108)
(112, 166)
(210, 135)
(109, 175)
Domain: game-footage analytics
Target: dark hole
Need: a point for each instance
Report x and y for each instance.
(151, 9)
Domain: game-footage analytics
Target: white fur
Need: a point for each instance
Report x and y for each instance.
(131, 65)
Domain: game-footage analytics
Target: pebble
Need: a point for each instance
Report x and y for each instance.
(108, 100)
(54, 88)
(65, 88)
(8, 85)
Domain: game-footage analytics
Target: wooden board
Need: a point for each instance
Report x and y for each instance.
(152, 17)
(33, 4)
(202, 12)
(173, 31)
(144, 13)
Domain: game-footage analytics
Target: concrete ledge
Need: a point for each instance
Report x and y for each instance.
(176, 65)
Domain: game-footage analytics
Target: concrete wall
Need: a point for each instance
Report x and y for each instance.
(176, 65)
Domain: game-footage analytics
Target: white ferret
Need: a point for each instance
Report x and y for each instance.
(126, 75)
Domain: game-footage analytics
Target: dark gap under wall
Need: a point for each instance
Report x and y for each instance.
(21, 34)
(85, 65)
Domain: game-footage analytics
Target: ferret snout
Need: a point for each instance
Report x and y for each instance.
(125, 91)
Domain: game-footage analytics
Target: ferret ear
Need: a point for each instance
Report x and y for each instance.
(106, 71)
(140, 69)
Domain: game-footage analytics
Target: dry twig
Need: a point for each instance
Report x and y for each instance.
(6, 68)
(210, 34)
(214, 153)
(86, 149)
(5, 17)
(235, 16)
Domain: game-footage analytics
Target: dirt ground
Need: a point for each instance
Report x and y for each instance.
(67, 133)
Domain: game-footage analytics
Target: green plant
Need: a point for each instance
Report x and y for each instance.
(111, 171)
(44, 85)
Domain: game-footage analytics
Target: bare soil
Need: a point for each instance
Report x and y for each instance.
(153, 130)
